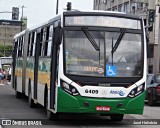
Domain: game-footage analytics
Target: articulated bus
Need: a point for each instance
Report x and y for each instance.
(83, 62)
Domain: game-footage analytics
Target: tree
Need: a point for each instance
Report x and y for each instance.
(8, 50)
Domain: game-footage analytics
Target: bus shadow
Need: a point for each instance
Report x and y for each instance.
(85, 119)
(77, 119)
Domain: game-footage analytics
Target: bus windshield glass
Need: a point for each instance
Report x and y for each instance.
(81, 58)
(113, 52)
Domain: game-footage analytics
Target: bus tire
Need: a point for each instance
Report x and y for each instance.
(116, 117)
(45, 97)
(30, 100)
(50, 115)
(18, 94)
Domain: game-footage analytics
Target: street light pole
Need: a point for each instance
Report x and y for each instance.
(57, 7)
(22, 15)
(4, 41)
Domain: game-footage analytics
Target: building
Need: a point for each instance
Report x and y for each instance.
(8, 29)
(154, 36)
(141, 8)
(137, 7)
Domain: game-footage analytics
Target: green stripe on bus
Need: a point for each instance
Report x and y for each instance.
(75, 104)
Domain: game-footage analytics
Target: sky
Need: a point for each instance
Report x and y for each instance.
(39, 11)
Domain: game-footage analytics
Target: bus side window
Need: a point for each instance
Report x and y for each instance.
(15, 48)
(28, 45)
(44, 41)
(41, 41)
(48, 42)
(19, 47)
(22, 46)
(34, 43)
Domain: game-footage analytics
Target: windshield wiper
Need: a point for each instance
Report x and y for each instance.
(90, 38)
(123, 30)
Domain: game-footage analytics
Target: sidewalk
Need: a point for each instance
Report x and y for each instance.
(1, 84)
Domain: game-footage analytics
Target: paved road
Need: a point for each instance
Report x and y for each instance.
(12, 108)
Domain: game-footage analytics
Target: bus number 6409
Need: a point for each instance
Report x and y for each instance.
(91, 91)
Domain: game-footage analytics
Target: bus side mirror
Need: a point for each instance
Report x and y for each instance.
(58, 35)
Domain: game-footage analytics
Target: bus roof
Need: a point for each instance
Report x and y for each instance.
(18, 34)
(6, 57)
(74, 12)
(95, 12)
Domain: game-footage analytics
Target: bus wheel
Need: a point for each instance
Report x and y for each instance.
(116, 117)
(30, 100)
(18, 94)
(50, 115)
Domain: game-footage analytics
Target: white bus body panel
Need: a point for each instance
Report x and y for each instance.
(40, 93)
(26, 87)
(19, 84)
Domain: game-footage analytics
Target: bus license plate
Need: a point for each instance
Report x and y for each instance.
(103, 108)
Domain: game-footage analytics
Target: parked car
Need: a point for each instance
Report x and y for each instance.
(153, 88)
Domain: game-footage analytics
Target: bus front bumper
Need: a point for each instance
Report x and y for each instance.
(79, 104)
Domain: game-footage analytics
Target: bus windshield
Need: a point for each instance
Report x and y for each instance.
(81, 58)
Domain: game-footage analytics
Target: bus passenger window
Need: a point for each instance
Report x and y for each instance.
(44, 34)
(34, 43)
(28, 45)
(50, 41)
(32, 39)
(40, 49)
(22, 46)
(46, 42)
(19, 47)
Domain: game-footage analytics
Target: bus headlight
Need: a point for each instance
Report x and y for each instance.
(69, 89)
(136, 91)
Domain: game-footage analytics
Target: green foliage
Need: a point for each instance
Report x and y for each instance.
(8, 50)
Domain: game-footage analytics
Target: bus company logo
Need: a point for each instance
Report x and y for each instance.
(121, 93)
(104, 92)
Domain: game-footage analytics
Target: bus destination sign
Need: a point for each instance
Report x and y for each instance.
(102, 21)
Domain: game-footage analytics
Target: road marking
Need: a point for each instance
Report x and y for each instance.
(2, 84)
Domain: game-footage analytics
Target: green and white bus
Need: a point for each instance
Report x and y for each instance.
(83, 62)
